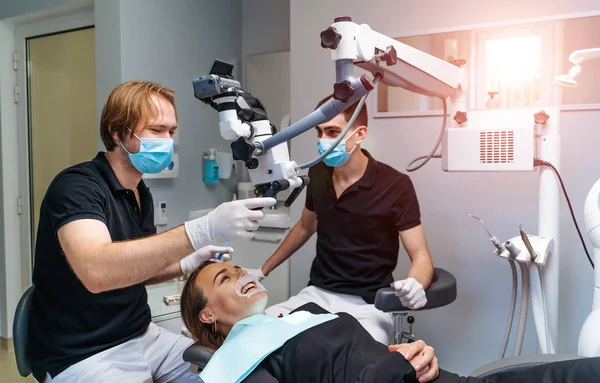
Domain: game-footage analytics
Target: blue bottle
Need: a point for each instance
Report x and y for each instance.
(211, 169)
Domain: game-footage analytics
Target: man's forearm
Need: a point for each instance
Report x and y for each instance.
(172, 271)
(422, 270)
(121, 264)
(296, 238)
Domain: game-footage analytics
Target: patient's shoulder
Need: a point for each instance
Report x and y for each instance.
(312, 308)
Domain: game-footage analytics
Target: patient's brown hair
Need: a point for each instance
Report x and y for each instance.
(193, 302)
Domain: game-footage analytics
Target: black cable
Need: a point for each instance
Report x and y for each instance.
(538, 162)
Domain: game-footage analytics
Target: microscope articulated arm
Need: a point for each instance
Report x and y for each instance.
(405, 66)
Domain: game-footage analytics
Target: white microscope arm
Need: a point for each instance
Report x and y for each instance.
(404, 67)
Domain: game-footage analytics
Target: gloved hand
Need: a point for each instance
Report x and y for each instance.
(228, 222)
(257, 273)
(411, 293)
(192, 261)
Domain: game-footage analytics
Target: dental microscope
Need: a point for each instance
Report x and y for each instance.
(243, 118)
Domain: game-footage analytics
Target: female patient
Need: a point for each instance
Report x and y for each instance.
(338, 350)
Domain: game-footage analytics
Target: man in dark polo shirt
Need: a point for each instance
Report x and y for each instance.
(97, 249)
(359, 208)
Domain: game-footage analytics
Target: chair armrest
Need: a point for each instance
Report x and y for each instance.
(517, 363)
(441, 292)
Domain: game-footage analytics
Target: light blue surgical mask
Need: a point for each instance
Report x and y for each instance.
(154, 156)
(338, 156)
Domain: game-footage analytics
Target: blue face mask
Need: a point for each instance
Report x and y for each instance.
(338, 156)
(154, 156)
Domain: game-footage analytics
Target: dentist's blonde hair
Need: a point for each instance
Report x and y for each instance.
(127, 105)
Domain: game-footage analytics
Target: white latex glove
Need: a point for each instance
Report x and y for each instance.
(257, 273)
(228, 222)
(411, 293)
(192, 261)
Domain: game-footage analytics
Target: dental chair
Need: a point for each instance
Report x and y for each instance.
(21, 334)
(441, 292)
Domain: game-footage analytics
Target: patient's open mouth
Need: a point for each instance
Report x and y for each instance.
(248, 286)
(246, 289)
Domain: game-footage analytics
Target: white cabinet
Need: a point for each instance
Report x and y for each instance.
(163, 315)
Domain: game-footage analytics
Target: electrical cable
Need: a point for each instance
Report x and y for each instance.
(539, 162)
(431, 155)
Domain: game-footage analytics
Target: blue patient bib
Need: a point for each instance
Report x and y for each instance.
(252, 340)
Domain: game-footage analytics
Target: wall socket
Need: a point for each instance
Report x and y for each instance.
(160, 214)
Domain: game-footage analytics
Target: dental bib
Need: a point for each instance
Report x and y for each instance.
(253, 339)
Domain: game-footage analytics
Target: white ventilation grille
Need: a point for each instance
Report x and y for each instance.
(497, 147)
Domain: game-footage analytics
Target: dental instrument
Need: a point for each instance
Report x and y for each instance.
(493, 238)
(500, 248)
(531, 253)
(221, 254)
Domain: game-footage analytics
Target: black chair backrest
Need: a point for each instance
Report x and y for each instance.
(20, 331)
(198, 355)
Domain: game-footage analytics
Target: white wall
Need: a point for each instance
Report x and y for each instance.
(265, 26)
(172, 44)
(265, 29)
(107, 21)
(8, 156)
(468, 333)
(11, 8)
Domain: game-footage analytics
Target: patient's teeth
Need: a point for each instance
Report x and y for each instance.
(248, 286)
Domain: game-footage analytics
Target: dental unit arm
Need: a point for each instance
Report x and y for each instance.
(576, 58)
(244, 120)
